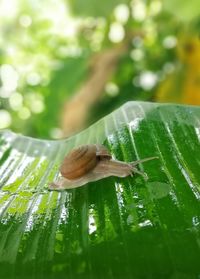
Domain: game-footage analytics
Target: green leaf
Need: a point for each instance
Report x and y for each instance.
(112, 228)
(184, 10)
(94, 8)
(61, 87)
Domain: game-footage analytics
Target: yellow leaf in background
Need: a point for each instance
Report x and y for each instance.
(183, 86)
(188, 50)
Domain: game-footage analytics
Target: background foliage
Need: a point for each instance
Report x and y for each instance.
(103, 52)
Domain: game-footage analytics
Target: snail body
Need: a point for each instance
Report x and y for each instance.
(89, 163)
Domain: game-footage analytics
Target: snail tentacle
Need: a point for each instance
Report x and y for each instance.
(137, 162)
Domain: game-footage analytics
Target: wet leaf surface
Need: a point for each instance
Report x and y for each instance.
(112, 228)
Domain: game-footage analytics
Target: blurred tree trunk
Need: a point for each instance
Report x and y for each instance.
(75, 110)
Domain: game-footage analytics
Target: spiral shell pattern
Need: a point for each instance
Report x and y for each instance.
(79, 162)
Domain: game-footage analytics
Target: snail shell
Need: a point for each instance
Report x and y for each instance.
(82, 160)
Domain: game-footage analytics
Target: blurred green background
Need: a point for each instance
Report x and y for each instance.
(65, 64)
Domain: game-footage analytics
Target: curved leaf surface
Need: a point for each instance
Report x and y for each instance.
(112, 228)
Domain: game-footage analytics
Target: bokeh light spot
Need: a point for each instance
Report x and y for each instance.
(121, 13)
(37, 106)
(8, 8)
(5, 119)
(116, 33)
(112, 89)
(155, 7)
(16, 101)
(137, 54)
(148, 80)
(9, 78)
(24, 113)
(25, 20)
(138, 10)
(170, 42)
(33, 79)
(56, 133)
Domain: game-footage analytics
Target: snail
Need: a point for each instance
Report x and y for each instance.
(92, 162)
